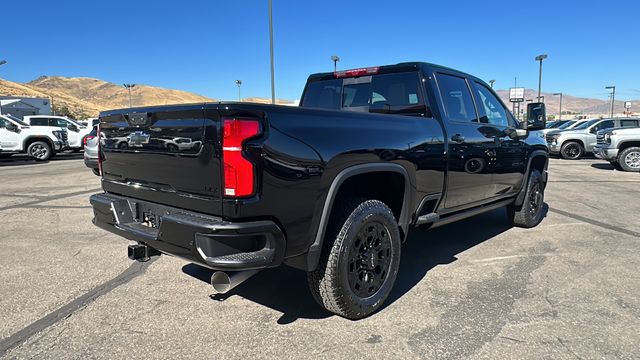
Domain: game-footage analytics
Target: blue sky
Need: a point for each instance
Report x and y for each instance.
(203, 46)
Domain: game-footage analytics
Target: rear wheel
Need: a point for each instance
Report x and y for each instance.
(531, 212)
(572, 150)
(629, 159)
(40, 151)
(360, 260)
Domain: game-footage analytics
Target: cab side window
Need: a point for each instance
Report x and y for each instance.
(628, 123)
(491, 109)
(607, 124)
(457, 99)
(39, 122)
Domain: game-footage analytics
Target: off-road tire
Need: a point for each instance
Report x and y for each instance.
(628, 155)
(332, 283)
(532, 210)
(572, 150)
(40, 151)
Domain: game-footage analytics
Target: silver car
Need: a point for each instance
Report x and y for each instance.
(91, 150)
(574, 143)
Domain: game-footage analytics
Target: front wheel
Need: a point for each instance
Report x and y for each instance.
(360, 259)
(40, 151)
(531, 212)
(629, 159)
(572, 150)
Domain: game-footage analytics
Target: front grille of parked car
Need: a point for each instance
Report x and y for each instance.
(600, 139)
(65, 136)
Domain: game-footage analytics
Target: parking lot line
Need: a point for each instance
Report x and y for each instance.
(136, 269)
(595, 222)
(49, 198)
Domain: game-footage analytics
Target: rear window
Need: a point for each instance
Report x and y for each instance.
(323, 94)
(395, 90)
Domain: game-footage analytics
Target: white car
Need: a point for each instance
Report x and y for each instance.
(77, 132)
(40, 142)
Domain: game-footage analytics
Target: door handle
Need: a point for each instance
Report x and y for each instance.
(457, 138)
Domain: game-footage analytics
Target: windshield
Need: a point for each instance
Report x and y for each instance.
(566, 125)
(586, 124)
(15, 119)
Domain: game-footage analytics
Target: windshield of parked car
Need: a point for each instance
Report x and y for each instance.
(586, 124)
(16, 120)
(566, 125)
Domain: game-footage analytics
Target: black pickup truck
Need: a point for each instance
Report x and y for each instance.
(331, 187)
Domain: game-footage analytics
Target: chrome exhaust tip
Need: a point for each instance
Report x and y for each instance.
(223, 282)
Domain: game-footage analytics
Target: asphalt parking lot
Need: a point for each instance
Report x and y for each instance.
(568, 289)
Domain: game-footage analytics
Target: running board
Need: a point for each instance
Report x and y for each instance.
(436, 220)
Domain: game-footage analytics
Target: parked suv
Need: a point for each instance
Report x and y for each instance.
(573, 144)
(621, 147)
(76, 131)
(40, 142)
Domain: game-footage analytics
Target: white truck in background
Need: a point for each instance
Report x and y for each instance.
(76, 131)
(39, 142)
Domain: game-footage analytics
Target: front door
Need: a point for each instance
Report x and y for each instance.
(507, 164)
(9, 140)
(469, 151)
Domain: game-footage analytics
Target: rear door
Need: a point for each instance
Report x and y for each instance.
(162, 155)
(470, 148)
(9, 140)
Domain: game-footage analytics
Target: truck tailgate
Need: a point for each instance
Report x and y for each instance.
(167, 155)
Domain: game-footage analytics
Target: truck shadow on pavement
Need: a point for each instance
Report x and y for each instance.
(285, 289)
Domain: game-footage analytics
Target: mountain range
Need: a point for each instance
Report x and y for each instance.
(83, 97)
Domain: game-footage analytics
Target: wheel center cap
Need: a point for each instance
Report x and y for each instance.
(370, 260)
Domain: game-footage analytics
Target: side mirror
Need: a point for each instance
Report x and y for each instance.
(11, 126)
(72, 127)
(536, 116)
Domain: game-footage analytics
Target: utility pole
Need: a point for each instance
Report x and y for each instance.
(491, 83)
(560, 114)
(273, 87)
(540, 58)
(128, 87)
(239, 82)
(335, 59)
(613, 97)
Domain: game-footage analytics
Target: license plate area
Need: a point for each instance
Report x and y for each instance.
(148, 216)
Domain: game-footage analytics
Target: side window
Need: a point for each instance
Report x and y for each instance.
(3, 123)
(628, 123)
(490, 108)
(457, 98)
(607, 124)
(39, 122)
(396, 89)
(323, 94)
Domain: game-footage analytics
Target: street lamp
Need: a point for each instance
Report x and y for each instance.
(335, 59)
(613, 97)
(560, 114)
(239, 82)
(540, 58)
(491, 83)
(128, 87)
(273, 86)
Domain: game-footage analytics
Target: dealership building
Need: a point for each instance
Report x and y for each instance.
(24, 106)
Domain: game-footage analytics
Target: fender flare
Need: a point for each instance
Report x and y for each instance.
(525, 181)
(315, 250)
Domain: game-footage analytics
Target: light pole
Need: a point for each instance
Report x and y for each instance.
(540, 58)
(559, 114)
(491, 83)
(239, 82)
(613, 97)
(2, 62)
(273, 87)
(335, 59)
(128, 87)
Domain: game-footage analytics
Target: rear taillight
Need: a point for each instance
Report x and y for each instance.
(87, 138)
(239, 173)
(99, 151)
(357, 72)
